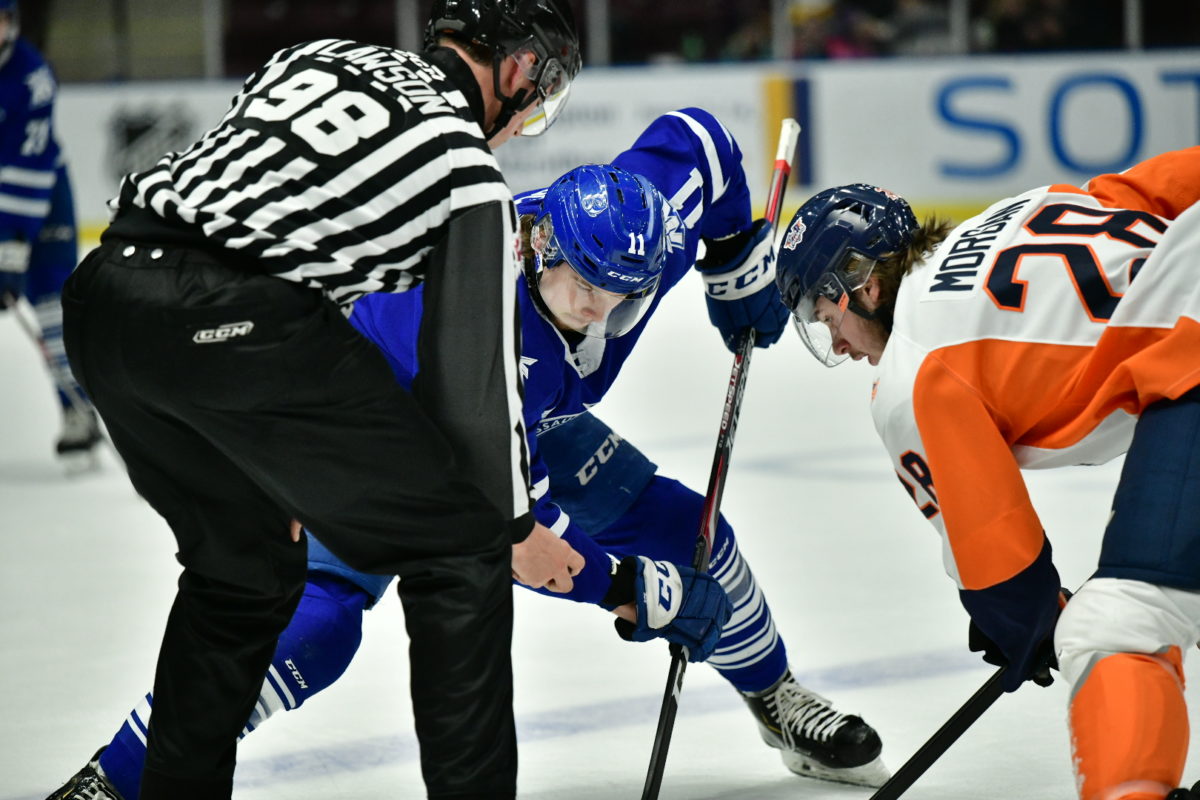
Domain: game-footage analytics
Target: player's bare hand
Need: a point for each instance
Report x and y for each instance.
(545, 560)
(295, 528)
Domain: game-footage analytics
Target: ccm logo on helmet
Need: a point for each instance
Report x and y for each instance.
(626, 278)
(223, 333)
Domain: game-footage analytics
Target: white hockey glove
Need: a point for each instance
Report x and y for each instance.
(14, 256)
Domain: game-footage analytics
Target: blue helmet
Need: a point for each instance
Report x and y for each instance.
(830, 249)
(611, 227)
(9, 41)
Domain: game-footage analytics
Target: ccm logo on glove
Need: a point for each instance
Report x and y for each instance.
(739, 286)
(744, 282)
(675, 603)
(669, 587)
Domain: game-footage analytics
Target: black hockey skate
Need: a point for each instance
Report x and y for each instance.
(814, 739)
(76, 446)
(89, 783)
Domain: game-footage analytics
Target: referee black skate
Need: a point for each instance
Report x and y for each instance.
(209, 330)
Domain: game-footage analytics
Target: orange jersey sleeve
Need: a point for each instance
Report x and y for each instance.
(990, 523)
(1164, 185)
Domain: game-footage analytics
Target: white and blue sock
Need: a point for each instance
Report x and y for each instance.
(750, 654)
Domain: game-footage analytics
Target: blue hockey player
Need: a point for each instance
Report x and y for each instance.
(602, 246)
(37, 219)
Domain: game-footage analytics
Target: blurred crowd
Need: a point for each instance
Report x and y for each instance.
(713, 30)
(867, 28)
(123, 39)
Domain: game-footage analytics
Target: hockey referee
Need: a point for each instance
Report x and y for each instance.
(209, 328)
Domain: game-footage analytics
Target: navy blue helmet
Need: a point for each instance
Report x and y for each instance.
(829, 250)
(610, 227)
(545, 28)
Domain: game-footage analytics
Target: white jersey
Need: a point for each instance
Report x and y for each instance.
(1034, 336)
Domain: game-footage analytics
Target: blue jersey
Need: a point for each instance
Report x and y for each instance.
(29, 153)
(584, 476)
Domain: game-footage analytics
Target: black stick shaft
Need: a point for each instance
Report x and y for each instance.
(788, 134)
(712, 504)
(940, 742)
(666, 725)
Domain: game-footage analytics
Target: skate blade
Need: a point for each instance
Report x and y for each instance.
(80, 462)
(872, 774)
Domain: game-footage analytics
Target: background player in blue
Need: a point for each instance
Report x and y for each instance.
(602, 248)
(37, 216)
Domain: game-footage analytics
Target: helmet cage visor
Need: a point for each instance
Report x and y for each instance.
(552, 85)
(543, 241)
(576, 303)
(817, 331)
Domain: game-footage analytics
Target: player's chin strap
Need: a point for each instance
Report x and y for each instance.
(530, 268)
(878, 315)
(884, 315)
(509, 106)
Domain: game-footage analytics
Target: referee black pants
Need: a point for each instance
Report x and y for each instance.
(239, 402)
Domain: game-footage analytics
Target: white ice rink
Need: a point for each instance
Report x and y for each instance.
(851, 569)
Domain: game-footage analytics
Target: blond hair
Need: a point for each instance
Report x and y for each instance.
(525, 234)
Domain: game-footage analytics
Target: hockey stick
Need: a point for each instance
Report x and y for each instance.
(27, 320)
(940, 742)
(789, 132)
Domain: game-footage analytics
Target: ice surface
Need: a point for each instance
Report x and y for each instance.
(851, 570)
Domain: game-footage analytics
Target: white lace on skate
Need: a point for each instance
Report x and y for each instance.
(91, 790)
(90, 783)
(807, 722)
(805, 713)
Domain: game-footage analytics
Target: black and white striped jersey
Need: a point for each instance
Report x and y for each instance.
(356, 169)
(338, 166)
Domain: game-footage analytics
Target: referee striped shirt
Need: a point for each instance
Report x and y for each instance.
(338, 166)
(353, 169)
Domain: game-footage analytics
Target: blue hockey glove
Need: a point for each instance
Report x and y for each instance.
(675, 603)
(739, 286)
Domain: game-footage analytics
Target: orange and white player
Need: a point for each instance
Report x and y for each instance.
(1058, 327)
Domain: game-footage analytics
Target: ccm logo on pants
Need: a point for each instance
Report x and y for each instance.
(222, 333)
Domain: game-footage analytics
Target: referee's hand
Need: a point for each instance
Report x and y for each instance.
(545, 560)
